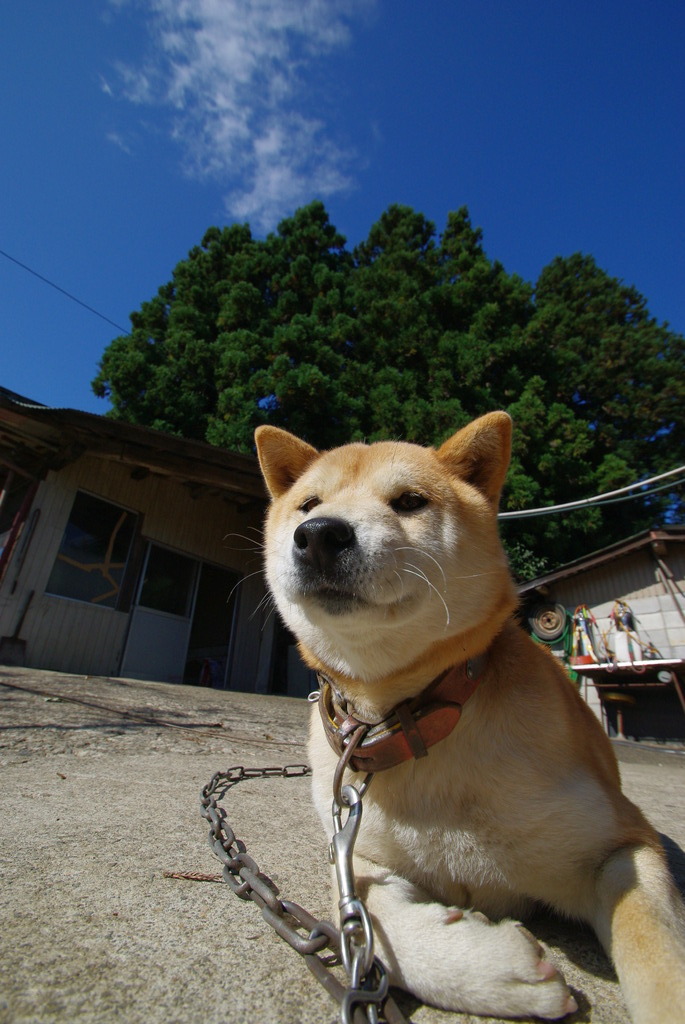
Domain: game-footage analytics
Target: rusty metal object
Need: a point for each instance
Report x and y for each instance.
(365, 999)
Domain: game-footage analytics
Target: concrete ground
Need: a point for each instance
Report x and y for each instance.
(100, 800)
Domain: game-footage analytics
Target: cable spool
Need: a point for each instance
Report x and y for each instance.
(548, 621)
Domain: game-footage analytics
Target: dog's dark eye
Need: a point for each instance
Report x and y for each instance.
(410, 501)
(310, 503)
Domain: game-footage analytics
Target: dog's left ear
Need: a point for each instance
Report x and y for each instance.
(282, 457)
(480, 453)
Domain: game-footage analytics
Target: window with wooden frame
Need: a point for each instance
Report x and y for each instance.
(94, 552)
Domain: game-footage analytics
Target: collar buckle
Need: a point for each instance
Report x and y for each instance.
(410, 729)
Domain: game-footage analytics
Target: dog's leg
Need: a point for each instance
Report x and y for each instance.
(640, 919)
(459, 960)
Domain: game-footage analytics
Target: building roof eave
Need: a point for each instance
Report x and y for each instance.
(664, 534)
(39, 438)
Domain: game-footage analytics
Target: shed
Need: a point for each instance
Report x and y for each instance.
(616, 618)
(126, 551)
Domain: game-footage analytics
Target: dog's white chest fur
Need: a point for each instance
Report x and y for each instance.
(464, 837)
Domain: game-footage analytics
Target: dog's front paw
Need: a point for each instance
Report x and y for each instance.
(464, 962)
(518, 980)
(458, 959)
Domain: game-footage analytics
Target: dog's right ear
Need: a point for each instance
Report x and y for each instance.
(282, 457)
(479, 453)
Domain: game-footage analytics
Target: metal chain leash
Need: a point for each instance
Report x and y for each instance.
(365, 999)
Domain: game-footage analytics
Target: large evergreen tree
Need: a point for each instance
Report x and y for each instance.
(410, 335)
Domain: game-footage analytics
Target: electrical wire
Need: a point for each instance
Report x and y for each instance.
(653, 490)
(608, 498)
(63, 291)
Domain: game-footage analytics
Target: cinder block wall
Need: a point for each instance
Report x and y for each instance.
(656, 620)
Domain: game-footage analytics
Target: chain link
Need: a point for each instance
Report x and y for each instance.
(367, 988)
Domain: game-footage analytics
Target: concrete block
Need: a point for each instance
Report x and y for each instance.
(648, 622)
(645, 605)
(673, 620)
(675, 638)
(661, 641)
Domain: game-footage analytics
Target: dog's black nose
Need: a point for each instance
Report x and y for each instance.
(319, 541)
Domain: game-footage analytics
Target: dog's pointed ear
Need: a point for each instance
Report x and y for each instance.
(282, 457)
(480, 453)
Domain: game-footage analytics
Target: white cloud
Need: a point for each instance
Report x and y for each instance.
(118, 140)
(233, 74)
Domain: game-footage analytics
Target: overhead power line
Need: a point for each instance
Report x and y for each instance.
(598, 499)
(63, 291)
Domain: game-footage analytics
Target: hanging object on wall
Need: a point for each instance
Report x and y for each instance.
(626, 643)
(548, 621)
(588, 645)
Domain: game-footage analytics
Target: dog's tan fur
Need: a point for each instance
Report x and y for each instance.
(521, 804)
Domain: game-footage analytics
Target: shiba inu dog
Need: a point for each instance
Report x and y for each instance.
(384, 560)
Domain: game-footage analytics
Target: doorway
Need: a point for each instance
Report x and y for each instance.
(209, 646)
(182, 622)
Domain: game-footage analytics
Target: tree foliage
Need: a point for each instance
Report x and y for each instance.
(410, 335)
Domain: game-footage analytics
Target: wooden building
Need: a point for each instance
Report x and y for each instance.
(125, 551)
(617, 619)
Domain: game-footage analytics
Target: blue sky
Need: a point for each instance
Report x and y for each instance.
(130, 126)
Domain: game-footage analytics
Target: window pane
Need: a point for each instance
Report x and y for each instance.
(168, 583)
(92, 557)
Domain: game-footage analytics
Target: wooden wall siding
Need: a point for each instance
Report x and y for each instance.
(630, 577)
(73, 636)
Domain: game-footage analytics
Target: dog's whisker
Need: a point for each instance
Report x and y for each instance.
(256, 529)
(271, 611)
(422, 576)
(243, 579)
(419, 572)
(395, 571)
(474, 575)
(265, 602)
(254, 544)
(420, 551)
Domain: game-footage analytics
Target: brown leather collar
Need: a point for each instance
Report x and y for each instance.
(410, 728)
